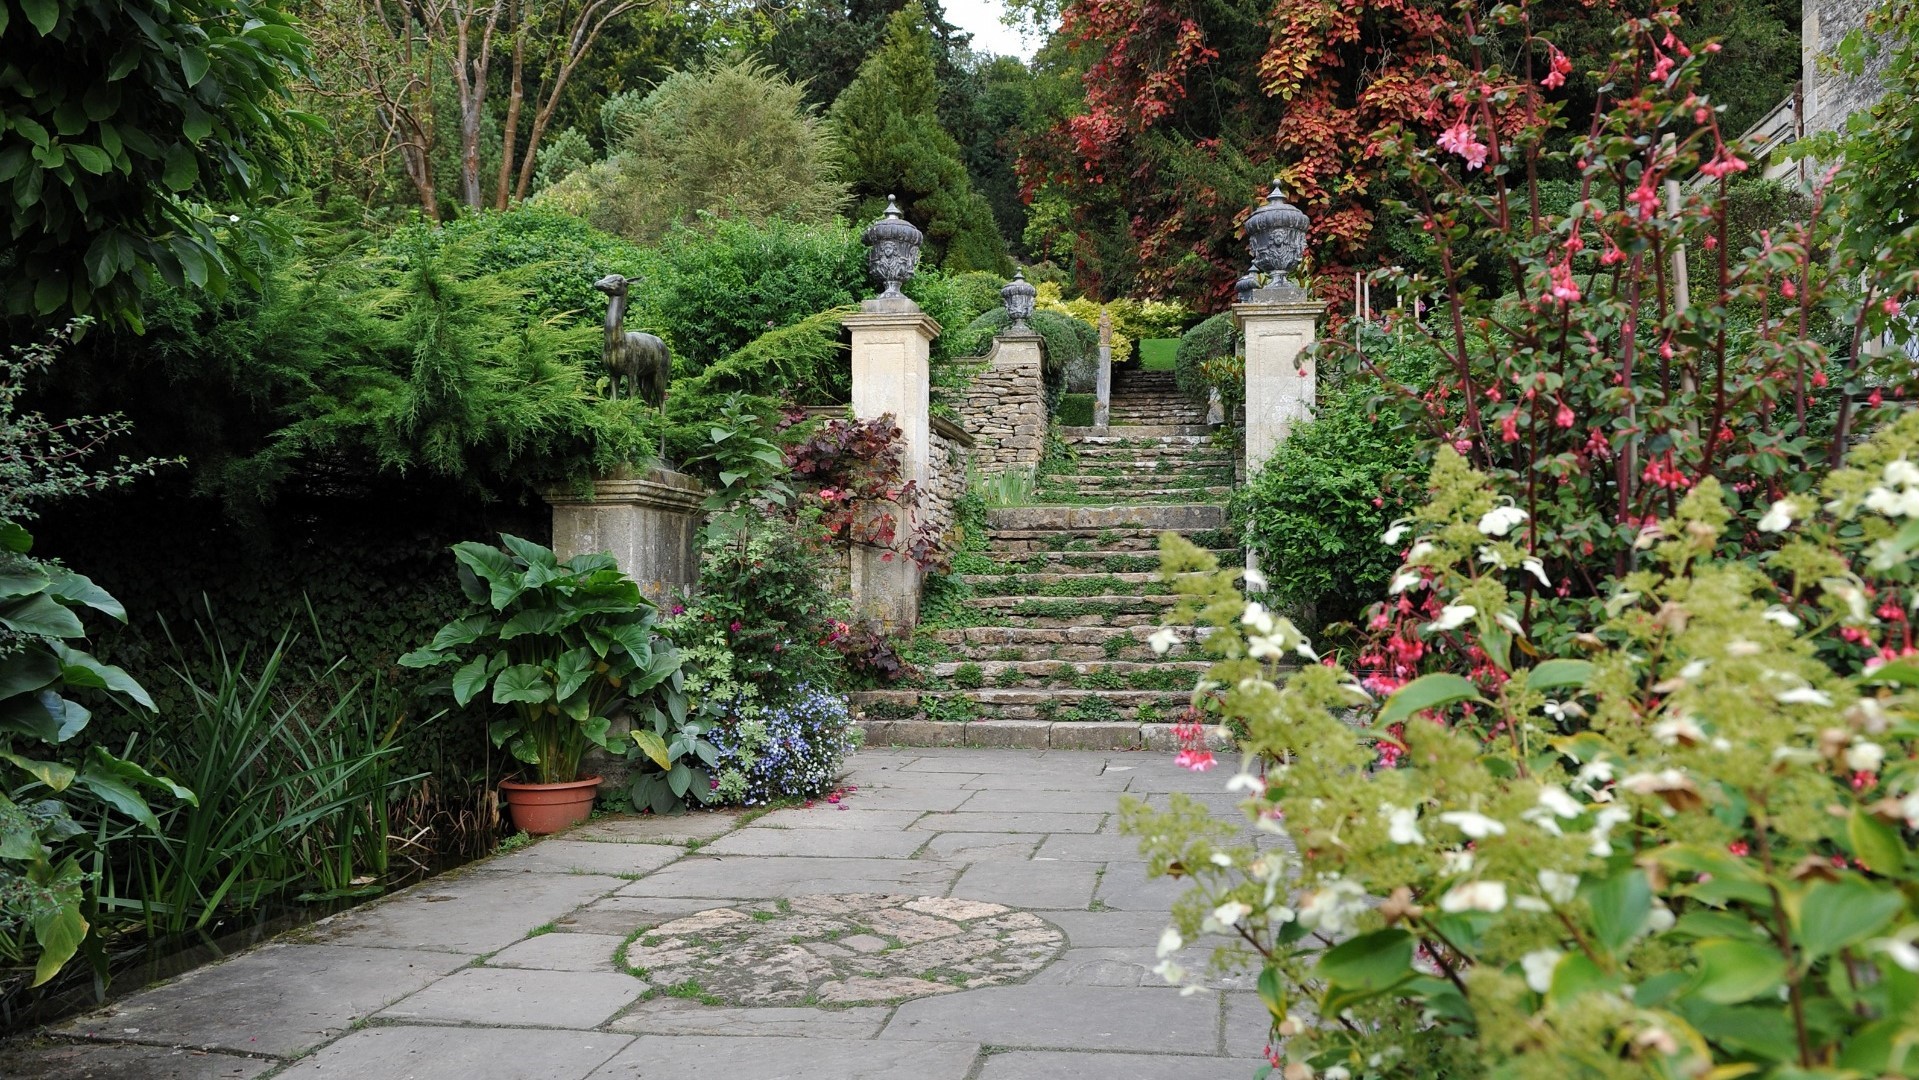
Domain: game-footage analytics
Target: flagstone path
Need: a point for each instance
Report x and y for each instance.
(962, 915)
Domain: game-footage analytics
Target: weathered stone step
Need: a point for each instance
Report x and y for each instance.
(1027, 734)
(1114, 603)
(1092, 561)
(1130, 465)
(1123, 439)
(1067, 583)
(1048, 704)
(1021, 543)
(1074, 635)
(1070, 675)
(1173, 517)
(1119, 489)
(1133, 431)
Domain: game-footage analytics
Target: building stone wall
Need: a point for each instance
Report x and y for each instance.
(1830, 96)
(952, 452)
(1004, 410)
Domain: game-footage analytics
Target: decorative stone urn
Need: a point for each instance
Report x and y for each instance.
(1276, 234)
(1018, 296)
(892, 250)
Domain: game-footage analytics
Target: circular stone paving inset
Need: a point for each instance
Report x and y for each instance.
(843, 949)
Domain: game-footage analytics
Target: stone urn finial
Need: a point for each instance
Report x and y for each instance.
(892, 249)
(1018, 297)
(1276, 233)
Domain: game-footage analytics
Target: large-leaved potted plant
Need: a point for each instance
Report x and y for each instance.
(558, 647)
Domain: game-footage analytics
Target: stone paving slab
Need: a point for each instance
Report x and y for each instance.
(277, 999)
(619, 915)
(1052, 1065)
(842, 816)
(1064, 1018)
(559, 856)
(1098, 847)
(818, 843)
(1003, 801)
(1010, 823)
(658, 1057)
(530, 998)
(907, 798)
(86, 1061)
(1108, 782)
(472, 914)
(1038, 886)
(652, 829)
(678, 1016)
(1126, 887)
(968, 847)
(560, 952)
(407, 1052)
(761, 878)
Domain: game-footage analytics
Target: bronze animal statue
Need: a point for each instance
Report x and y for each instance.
(640, 361)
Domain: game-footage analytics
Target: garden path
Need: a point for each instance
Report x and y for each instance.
(956, 915)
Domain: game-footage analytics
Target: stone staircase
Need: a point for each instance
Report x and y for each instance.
(1053, 650)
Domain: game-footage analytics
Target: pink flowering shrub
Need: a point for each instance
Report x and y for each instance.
(1591, 390)
(1682, 847)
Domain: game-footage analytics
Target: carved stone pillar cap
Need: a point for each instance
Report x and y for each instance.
(1018, 297)
(892, 249)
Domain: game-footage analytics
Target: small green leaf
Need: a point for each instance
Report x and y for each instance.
(1427, 692)
(680, 779)
(1620, 907)
(194, 64)
(1732, 971)
(469, 680)
(182, 170)
(59, 933)
(1576, 974)
(44, 15)
(1875, 843)
(1553, 674)
(15, 538)
(1370, 962)
(41, 615)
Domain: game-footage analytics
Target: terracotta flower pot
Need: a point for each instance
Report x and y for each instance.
(539, 809)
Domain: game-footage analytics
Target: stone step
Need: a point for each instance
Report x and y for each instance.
(1121, 465)
(1069, 674)
(1048, 704)
(1053, 584)
(1133, 431)
(1026, 734)
(1119, 488)
(1172, 517)
(1016, 606)
(1121, 439)
(1094, 561)
(1011, 543)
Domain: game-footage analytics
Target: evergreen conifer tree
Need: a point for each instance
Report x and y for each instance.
(891, 142)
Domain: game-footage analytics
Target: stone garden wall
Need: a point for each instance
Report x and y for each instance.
(1005, 408)
(952, 451)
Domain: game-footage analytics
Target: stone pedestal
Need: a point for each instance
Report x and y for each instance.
(892, 341)
(1005, 409)
(649, 522)
(1280, 376)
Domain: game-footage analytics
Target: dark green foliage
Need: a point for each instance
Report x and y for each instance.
(1213, 338)
(551, 257)
(763, 598)
(1075, 410)
(893, 143)
(121, 120)
(1068, 343)
(719, 288)
(1314, 514)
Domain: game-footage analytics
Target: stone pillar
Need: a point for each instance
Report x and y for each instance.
(1103, 387)
(649, 522)
(1005, 408)
(892, 340)
(1280, 377)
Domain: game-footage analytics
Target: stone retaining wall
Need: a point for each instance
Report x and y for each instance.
(1005, 407)
(952, 451)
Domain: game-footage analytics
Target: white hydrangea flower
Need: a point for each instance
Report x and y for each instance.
(1803, 695)
(1740, 647)
(1537, 569)
(1779, 616)
(1405, 580)
(1171, 972)
(1491, 557)
(1778, 518)
(1899, 952)
(1474, 896)
(1402, 825)
(1163, 640)
(1455, 863)
(1909, 809)
(1334, 908)
(1473, 824)
(1902, 472)
(1231, 912)
(1678, 729)
(1661, 918)
(1559, 887)
(1538, 966)
(1257, 617)
(1603, 824)
(1693, 669)
(1865, 756)
(1501, 520)
(1246, 782)
(1170, 942)
(1554, 798)
(1395, 534)
(1419, 551)
(1505, 619)
(1261, 647)
(1452, 617)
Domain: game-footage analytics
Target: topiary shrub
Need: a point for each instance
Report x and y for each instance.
(1210, 340)
(1315, 511)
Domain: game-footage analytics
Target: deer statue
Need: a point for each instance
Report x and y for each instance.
(641, 361)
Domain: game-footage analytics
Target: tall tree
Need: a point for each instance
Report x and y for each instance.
(119, 121)
(892, 143)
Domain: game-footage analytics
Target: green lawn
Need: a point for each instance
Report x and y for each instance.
(1156, 354)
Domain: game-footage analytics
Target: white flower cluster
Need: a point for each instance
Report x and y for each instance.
(1899, 495)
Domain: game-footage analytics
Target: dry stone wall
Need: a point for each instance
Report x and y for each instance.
(1005, 408)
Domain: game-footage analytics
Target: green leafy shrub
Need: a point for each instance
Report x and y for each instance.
(1315, 512)
(552, 259)
(1213, 338)
(1075, 410)
(1686, 850)
(561, 646)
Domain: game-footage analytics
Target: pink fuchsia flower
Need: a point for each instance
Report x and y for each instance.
(1509, 427)
(1196, 760)
(1644, 197)
(1561, 67)
(1723, 163)
(735, 627)
(1564, 289)
(1460, 139)
(1564, 417)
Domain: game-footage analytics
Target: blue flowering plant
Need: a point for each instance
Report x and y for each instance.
(794, 748)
